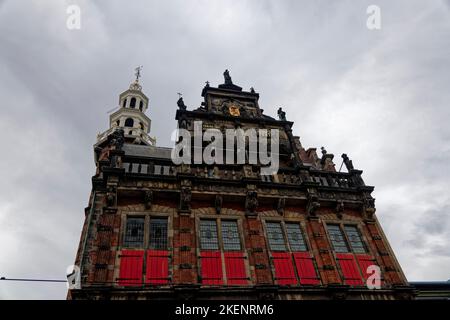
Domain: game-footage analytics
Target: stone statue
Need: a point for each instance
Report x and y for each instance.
(348, 163)
(181, 104)
(227, 77)
(281, 114)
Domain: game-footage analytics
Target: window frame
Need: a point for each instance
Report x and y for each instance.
(218, 221)
(147, 218)
(283, 223)
(341, 226)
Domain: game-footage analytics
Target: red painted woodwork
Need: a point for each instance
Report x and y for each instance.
(305, 268)
(211, 263)
(157, 267)
(349, 269)
(235, 268)
(131, 264)
(364, 261)
(284, 269)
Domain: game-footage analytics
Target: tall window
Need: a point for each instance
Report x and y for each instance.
(337, 238)
(158, 234)
(124, 103)
(208, 235)
(134, 233)
(230, 235)
(354, 238)
(133, 102)
(221, 255)
(141, 105)
(146, 257)
(292, 263)
(275, 236)
(295, 237)
(129, 122)
(350, 253)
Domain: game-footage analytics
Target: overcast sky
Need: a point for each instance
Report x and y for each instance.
(381, 96)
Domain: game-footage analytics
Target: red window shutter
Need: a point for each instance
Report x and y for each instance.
(349, 269)
(305, 268)
(157, 267)
(211, 263)
(131, 264)
(235, 268)
(284, 269)
(364, 262)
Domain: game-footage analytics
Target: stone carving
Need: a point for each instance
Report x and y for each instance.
(110, 197)
(369, 207)
(348, 163)
(148, 199)
(339, 208)
(251, 202)
(117, 139)
(281, 205)
(281, 114)
(185, 199)
(218, 203)
(312, 205)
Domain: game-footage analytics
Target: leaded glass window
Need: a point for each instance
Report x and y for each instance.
(355, 240)
(230, 235)
(275, 236)
(208, 235)
(158, 233)
(337, 238)
(295, 237)
(134, 232)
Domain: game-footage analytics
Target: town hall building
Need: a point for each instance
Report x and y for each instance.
(154, 229)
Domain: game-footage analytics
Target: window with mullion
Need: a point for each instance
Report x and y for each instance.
(134, 232)
(337, 238)
(230, 236)
(158, 234)
(354, 239)
(275, 236)
(208, 235)
(295, 237)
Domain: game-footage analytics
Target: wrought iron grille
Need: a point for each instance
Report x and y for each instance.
(355, 240)
(295, 237)
(208, 235)
(230, 235)
(158, 233)
(337, 238)
(134, 232)
(275, 236)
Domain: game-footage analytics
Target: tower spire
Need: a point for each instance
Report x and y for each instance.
(137, 72)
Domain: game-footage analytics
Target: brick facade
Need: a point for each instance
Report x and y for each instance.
(306, 192)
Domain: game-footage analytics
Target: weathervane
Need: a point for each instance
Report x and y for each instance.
(179, 94)
(138, 72)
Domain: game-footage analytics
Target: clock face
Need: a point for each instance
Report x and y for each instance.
(234, 111)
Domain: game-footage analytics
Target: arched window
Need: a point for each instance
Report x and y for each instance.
(118, 122)
(129, 122)
(141, 105)
(124, 103)
(133, 102)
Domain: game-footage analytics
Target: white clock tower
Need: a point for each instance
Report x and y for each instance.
(131, 116)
